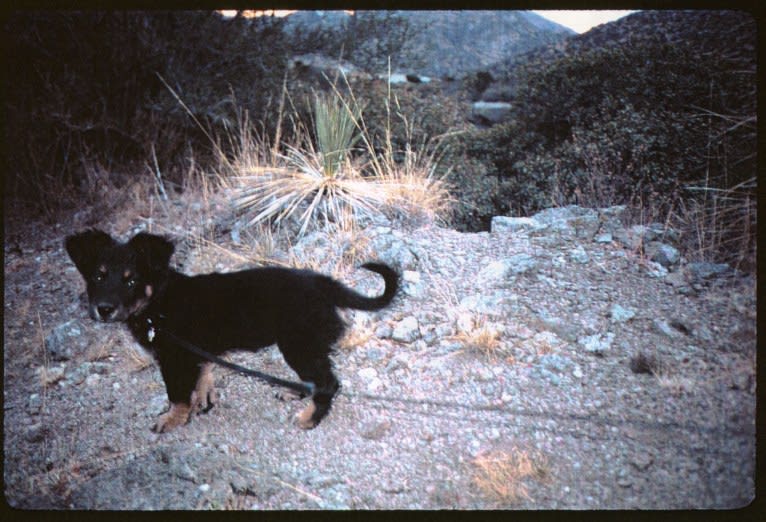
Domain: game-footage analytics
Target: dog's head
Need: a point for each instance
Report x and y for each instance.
(121, 278)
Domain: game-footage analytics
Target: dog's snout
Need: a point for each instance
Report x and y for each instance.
(105, 311)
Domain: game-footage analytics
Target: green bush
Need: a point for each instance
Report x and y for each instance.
(620, 124)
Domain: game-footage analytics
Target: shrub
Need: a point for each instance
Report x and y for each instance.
(86, 91)
(638, 124)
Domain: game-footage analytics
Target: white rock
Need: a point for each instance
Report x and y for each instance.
(406, 331)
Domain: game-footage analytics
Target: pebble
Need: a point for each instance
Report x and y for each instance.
(35, 433)
(623, 478)
(51, 374)
(406, 331)
(579, 255)
(642, 461)
(620, 314)
(597, 344)
(34, 404)
(664, 328)
(368, 373)
(603, 238)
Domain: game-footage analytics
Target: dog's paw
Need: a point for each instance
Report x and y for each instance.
(203, 402)
(204, 396)
(288, 395)
(305, 418)
(178, 415)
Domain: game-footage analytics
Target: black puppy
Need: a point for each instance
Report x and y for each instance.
(248, 310)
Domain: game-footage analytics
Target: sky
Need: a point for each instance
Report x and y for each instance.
(579, 21)
(582, 21)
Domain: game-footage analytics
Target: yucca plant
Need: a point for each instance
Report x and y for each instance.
(320, 179)
(336, 132)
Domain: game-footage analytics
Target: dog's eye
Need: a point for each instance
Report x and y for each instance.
(99, 277)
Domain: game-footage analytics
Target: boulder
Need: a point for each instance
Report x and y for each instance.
(704, 271)
(662, 253)
(505, 224)
(490, 113)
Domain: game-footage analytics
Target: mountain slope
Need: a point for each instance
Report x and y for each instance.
(706, 31)
(431, 43)
(454, 43)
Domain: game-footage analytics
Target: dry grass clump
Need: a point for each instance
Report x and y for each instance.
(98, 351)
(355, 337)
(674, 383)
(666, 377)
(503, 476)
(544, 343)
(482, 337)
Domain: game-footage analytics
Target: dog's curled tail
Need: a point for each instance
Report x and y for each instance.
(347, 298)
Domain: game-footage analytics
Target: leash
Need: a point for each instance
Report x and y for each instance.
(305, 389)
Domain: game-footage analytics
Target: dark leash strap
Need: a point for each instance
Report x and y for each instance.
(305, 389)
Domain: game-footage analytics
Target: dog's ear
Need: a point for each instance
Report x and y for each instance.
(84, 248)
(153, 251)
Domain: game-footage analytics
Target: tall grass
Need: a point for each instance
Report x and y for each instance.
(415, 191)
(720, 224)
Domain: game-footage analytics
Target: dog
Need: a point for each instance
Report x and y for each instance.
(133, 282)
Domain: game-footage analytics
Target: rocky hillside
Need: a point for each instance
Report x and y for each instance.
(561, 361)
(438, 43)
(657, 110)
(729, 34)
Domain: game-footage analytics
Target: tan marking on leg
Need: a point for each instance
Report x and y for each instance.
(177, 415)
(304, 418)
(204, 394)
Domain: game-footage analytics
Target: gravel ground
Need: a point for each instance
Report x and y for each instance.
(501, 347)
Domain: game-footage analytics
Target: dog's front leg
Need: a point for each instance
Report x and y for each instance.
(182, 377)
(178, 415)
(204, 396)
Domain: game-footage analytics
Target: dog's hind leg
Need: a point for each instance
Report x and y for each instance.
(318, 371)
(319, 406)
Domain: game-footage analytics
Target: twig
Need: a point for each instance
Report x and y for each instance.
(313, 497)
(158, 175)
